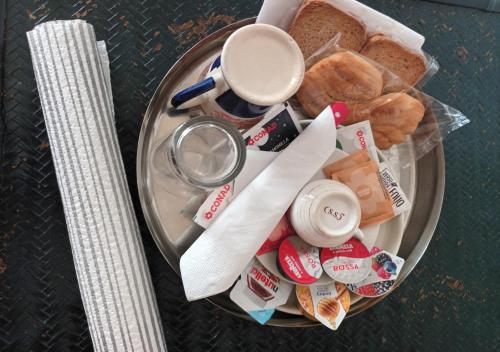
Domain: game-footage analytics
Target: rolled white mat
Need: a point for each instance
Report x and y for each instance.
(111, 267)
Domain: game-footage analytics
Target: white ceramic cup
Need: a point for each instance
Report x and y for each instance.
(326, 213)
(260, 66)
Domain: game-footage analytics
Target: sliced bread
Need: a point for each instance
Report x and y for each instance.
(408, 65)
(317, 22)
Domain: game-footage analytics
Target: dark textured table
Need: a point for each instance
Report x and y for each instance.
(449, 302)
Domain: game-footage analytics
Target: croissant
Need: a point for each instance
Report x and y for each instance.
(344, 77)
(392, 116)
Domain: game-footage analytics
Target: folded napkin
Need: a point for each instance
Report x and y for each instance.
(216, 259)
(279, 13)
(111, 267)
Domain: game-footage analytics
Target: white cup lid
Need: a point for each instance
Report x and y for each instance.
(336, 213)
(262, 64)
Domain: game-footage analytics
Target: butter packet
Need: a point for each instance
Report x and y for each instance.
(258, 291)
(327, 304)
(400, 202)
(385, 268)
(357, 137)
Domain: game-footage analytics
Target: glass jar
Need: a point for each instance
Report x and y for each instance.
(201, 154)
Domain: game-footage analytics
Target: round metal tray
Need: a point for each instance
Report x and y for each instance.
(169, 217)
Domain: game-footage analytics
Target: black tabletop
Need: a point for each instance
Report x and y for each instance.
(449, 302)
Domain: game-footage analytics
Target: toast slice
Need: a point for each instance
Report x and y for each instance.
(317, 22)
(406, 64)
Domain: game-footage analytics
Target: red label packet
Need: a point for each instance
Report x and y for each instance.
(348, 263)
(299, 261)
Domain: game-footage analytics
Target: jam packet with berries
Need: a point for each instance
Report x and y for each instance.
(385, 268)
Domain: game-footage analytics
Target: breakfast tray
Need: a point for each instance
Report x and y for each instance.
(40, 304)
(169, 217)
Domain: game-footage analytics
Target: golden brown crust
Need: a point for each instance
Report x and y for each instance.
(342, 76)
(406, 64)
(392, 117)
(317, 22)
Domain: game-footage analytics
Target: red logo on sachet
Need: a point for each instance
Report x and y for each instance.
(340, 112)
(218, 201)
(262, 133)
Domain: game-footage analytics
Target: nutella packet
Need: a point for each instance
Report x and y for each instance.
(262, 316)
(400, 202)
(357, 137)
(279, 127)
(327, 304)
(258, 291)
(385, 268)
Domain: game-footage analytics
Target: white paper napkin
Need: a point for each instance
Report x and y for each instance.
(216, 259)
(221, 197)
(279, 13)
(377, 22)
(111, 267)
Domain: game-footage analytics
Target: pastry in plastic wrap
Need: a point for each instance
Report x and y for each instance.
(392, 116)
(344, 77)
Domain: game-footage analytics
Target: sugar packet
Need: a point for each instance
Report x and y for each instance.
(357, 137)
(275, 132)
(400, 202)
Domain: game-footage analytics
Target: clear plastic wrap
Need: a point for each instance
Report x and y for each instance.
(395, 110)
(332, 46)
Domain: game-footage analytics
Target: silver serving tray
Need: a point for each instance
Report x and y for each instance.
(169, 217)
